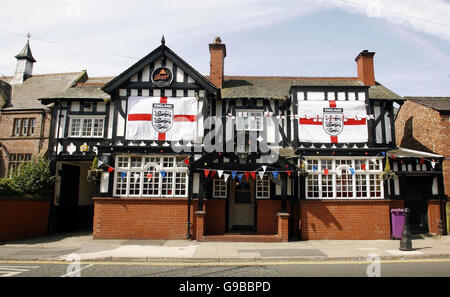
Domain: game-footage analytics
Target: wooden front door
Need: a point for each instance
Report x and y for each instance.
(242, 205)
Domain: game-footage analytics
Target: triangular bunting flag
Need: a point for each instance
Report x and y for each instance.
(226, 176)
(388, 166)
(186, 161)
(213, 173)
(110, 169)
(240, 176)
(100, 163)
(352, 171)
(433, 164)
(264, 169)
(253, 174)
(289, 173)
(220, 172)
(149, 176)
(206, 172)
(123, 175)
(275, 174)
(163, 173)
(261, 174)
(326, 171)
(363, 167)
(233, 173)
(247, 175)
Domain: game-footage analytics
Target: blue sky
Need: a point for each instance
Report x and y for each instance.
(411, 38)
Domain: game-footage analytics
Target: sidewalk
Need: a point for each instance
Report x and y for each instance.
(58, 248)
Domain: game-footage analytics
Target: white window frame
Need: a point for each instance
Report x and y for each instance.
(219, 183)
(80, 130)
(265, 179)
(318, 175)
(178, 168)
(243, 120)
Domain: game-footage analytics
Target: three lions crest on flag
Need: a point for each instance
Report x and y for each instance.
(332, 122)
(162, 118)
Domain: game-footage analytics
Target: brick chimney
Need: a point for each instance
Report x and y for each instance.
(366, 72)
(218, 52)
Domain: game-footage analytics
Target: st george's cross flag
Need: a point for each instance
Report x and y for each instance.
(332, 121)
(162, 118)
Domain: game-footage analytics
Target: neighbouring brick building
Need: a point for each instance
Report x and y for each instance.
(423, 124)
(24, 121)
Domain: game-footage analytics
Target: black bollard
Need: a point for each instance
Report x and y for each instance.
(405, 243)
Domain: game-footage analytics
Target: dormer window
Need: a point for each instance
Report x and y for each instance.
(91, 127)
(249, 120)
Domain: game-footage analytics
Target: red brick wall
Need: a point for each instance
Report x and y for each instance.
(23, 219)
(215, 216)
(421, 128)
(267, 220)
(345, 220)
(434, 216)
(143, 218)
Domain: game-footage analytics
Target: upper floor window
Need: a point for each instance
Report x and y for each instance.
(86, 127)
(24, 127)
(15, 160)
(249, 120)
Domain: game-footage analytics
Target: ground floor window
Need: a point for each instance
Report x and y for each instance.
(150, 176)
(263, 187)
(344, 178)
(15, 160)
(219, 188)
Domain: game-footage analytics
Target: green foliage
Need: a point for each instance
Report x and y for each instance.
(7, 187)
(32, 177)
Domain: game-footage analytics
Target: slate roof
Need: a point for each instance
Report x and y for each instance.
(274, 87)
(441, 104)
(278, 87)
(26, 95)
(90, 89)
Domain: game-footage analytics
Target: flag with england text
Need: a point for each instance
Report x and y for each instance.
(162, 118)
(332, 121)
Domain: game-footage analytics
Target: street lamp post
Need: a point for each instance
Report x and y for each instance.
(405, 243)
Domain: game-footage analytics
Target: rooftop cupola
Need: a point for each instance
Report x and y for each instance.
(24, 68)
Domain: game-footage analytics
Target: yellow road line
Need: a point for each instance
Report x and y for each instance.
(113, 263)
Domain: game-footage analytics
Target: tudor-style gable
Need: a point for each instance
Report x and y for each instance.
(161, 74)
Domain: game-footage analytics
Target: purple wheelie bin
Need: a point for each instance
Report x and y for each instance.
(398, 222)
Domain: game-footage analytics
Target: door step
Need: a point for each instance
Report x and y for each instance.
(242, 238)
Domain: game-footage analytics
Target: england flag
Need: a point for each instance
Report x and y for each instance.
(332, 121)
(162, 118)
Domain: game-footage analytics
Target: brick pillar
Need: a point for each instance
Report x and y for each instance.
(283, 226)
(200, 225)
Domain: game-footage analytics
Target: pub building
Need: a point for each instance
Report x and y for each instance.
(163, 152)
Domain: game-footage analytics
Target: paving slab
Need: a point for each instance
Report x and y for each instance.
(60, 247)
